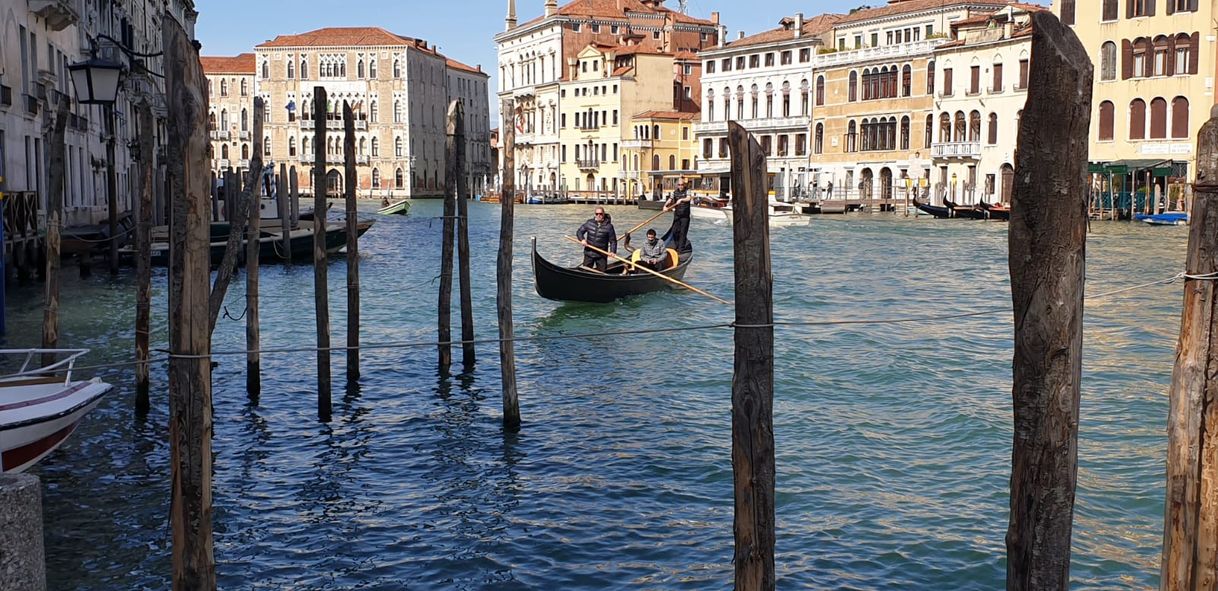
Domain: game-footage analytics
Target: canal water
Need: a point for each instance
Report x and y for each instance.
(893, 440)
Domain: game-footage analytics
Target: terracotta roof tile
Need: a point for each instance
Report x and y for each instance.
(677, 115)
(456, 65)
(897, 7)
(240, 64)
(340, 37)
(617, 9)
(816, 25)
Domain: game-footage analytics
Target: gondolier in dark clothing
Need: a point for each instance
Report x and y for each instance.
(678, 203)
(597, 232)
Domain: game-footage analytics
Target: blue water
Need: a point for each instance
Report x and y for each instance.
(893, 441)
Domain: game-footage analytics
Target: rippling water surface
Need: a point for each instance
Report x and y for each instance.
(893, 441)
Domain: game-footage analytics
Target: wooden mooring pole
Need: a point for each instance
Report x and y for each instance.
(753, 376)
(456, 119)
(446, 246)
(503, 280)
(240, 195)
(321, 295)
(351, 179)
(1190, 529)
(143, 259)
(58, 149)
(1047, 244)
(253, 337)
(190, 405)
(285, 212)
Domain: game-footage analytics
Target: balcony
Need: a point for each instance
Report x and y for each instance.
(710, 127)
(638, 144)
(59, 14)
(588, 164)
(885, 52)
(245, 135)
(306, 124)
(223, 136)
(961, 150)
(362, 160)
(243, 164)
(222, 163)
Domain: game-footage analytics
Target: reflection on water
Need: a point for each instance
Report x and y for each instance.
(893, 441)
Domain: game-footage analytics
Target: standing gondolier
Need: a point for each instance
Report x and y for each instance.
(678, 203)
(597, 232)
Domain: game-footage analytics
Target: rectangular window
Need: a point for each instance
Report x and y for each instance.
(858, 41)
(805, 56)
(689, 69)
(947, 81)
(875, 39)
(974, 86)
(930, 31)
(727, 64)
(595, 28)
(769, 60)
(1023, 74)
(786, 58)
(889, 38)
(575, 27)
(710, 67)
(740, 63)
(997, 82)
(754, 61)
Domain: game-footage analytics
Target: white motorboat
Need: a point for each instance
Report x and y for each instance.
(709, 213)
(41, 406)
(781, 214)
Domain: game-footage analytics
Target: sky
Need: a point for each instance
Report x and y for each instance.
(462, 29)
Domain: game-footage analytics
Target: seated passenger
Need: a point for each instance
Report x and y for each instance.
(653, 252)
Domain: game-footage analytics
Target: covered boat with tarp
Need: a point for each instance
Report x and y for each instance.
(581, 284)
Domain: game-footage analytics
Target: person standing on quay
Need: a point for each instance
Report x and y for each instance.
(597, 232)
(678, 203)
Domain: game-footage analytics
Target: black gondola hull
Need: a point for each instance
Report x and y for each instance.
(935, 210)
(564, 284)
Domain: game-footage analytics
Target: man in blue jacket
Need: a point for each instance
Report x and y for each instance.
(597, 232)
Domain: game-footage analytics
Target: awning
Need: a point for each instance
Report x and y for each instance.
(1157, 168)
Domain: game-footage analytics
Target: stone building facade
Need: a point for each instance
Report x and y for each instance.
(38, 40)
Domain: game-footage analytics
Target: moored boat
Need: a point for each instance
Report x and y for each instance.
(934, 210)
(580, 284)
(399, 208)
(996, 211)
(781, 214)
(270, 242)
(41, 406)
(1167, 218)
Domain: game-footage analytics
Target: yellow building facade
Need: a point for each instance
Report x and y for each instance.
(661, 150)
(603, 87)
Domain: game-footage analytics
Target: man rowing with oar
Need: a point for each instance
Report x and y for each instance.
(597, 232)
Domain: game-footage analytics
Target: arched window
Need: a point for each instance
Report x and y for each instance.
(211, 120)
(961, 134)
(398, 178)
(786, 99)
(397, 147)
(224, 151)
(1179, 118)
(224, 120)
(245, 89)
(359, 69)
(974, 127)
(710, 105)
(905, 133)
(363, 146)
(854, 86)
(224, 87)
(245, 151)
(852, 138)
(754, 95)
(740, 102)
(655, 132)
(245, 120)
(907, 80)
(672, 162)
(304, 68)
(376, 178)
(992, 139)
(820, 91)
(1137, 119)
(291, 68)
(805, 106)
(1108, 56)
(1185, 58)
(374, 113)
(929, 131)
(397, 111)
(291, 146)
(397, 68)
(655, 162)
(1158, 119)
(818, 143)
(930, 77)
(727, 103)
(945, 128)
(372, 68)
(1162, 51)
(1107, 120)
(304, 145)
(376, 147)
(266, 146)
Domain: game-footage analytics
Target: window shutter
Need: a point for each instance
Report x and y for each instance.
(1129, 8)
(1150, 7)
(1170, 7)
(1126, 59)
(1192, 5)
(1193, 56)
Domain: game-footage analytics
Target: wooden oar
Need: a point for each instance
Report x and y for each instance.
(642, 268)
(631, 231)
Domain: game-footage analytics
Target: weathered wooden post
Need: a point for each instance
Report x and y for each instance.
(503, 279)
(190, 415)
(1190, 530)
(294, 196)
(753, 378)
(446, 246)
(143, 260)
(57, 147)
(239, 198)
(456, 122)
(253, 200)
(285, 211)
(321, 295)
(351, 186)
(1047, 245)
(111, 190)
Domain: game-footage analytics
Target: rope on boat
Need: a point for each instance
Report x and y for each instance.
(168, 355)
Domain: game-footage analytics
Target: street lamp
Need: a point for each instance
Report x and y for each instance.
(96, 82)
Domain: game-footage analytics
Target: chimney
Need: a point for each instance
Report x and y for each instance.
(511, 15)
(715, 17)
(739, 35)
(722, 34)
(551, 7)
(799, 25)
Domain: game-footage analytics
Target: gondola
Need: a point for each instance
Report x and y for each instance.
(935, 210)
(967, 212)
(996, 212)
(577, 284)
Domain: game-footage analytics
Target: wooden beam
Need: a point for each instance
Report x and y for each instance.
(503, 280)
(1048, 233)
(753, 378)
(456, 118)
(253, 248)
(446, 245)
(190, 405)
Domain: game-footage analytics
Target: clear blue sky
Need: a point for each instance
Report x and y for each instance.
(461, 28)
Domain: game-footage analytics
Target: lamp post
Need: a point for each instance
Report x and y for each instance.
(96, 82)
